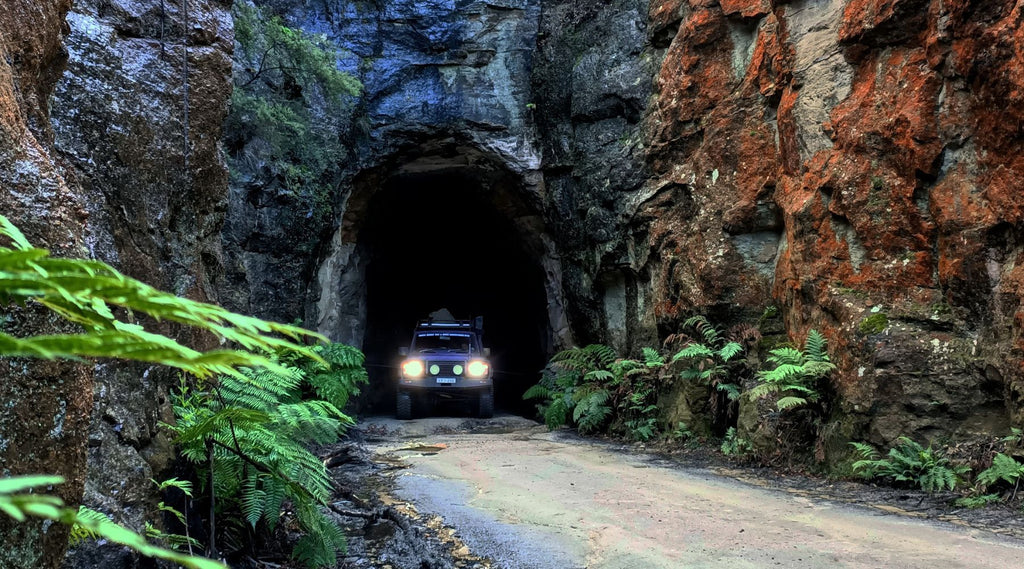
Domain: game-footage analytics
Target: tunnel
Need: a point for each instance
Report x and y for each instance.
(450, 239)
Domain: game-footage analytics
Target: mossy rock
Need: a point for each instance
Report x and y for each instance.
(874, 324)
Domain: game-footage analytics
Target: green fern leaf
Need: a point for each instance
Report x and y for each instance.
(785, 403)
(729, 351)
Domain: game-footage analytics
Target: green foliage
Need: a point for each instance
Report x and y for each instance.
(89, 293)
(1016, 437)
(973, 502)
(81, 532)
(593, 388)
(97, 297)
(1005, 468)
(909, 462)
(795, 373)
(19, 501)
(287, 110)
(172, 540)
(682, 432)
(735, 445)
(711, 362)
(252, 430)
(874, 324)
(708, 360)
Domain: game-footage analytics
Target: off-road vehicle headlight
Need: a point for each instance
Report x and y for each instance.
(413, 368)
(477, 368)
(457, 369)
(435, 369)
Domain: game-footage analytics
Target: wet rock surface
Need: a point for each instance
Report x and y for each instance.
(44, 406)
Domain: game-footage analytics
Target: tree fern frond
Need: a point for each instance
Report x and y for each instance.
(602, 355)
(538, 391)
(598, 375)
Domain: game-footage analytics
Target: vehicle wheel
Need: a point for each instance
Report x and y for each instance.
(403, 406)
(486, 408)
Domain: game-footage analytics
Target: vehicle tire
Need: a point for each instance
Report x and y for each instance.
(403, 406)
(486, 407)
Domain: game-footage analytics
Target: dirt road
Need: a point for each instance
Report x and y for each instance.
(530, 499)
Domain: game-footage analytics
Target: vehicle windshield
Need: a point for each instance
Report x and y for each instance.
(442, 342)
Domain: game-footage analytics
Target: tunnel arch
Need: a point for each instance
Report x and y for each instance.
(444, 223)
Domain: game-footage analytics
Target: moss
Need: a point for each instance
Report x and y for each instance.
(874, 324)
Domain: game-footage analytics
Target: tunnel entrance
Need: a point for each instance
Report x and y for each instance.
(449, 239)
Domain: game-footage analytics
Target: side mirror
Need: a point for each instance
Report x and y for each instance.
(403, 351)
(487, 352)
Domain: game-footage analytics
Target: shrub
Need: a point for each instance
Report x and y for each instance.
(735, 445)
(909, 462)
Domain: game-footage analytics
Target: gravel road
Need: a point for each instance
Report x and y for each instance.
(530, 499)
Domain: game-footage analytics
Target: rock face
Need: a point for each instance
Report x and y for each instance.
(848, 158)
(855, 163)
(138, 123)
(46, 406)
(99, 160)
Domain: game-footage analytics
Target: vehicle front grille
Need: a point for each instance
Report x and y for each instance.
(446, 368)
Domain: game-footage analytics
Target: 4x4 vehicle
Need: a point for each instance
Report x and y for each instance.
(446, 359)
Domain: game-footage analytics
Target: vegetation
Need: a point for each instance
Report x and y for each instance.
(247, 437)
(734, 445)
(19, 500)
(711, 362)
(795, 373)
(288, 109)
(910, 463)
(593, 388)
(1004, 468)
(874, 324)
(247, 426)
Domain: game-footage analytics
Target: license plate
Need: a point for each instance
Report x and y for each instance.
(446, 380)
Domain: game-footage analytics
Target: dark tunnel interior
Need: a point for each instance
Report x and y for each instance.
(438, 241)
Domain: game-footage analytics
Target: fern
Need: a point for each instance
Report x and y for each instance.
(909, 462)
(734, 445)
(652, 358)
(103, 302)
(82, 532)
(593, 389)
(1005, 468)
(795, 373)
(591, 410)
(972, 502)
(711, 363)
(256, 426)
(87, 293)
(18, 501)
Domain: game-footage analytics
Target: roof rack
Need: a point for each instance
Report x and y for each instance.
(445, 324)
